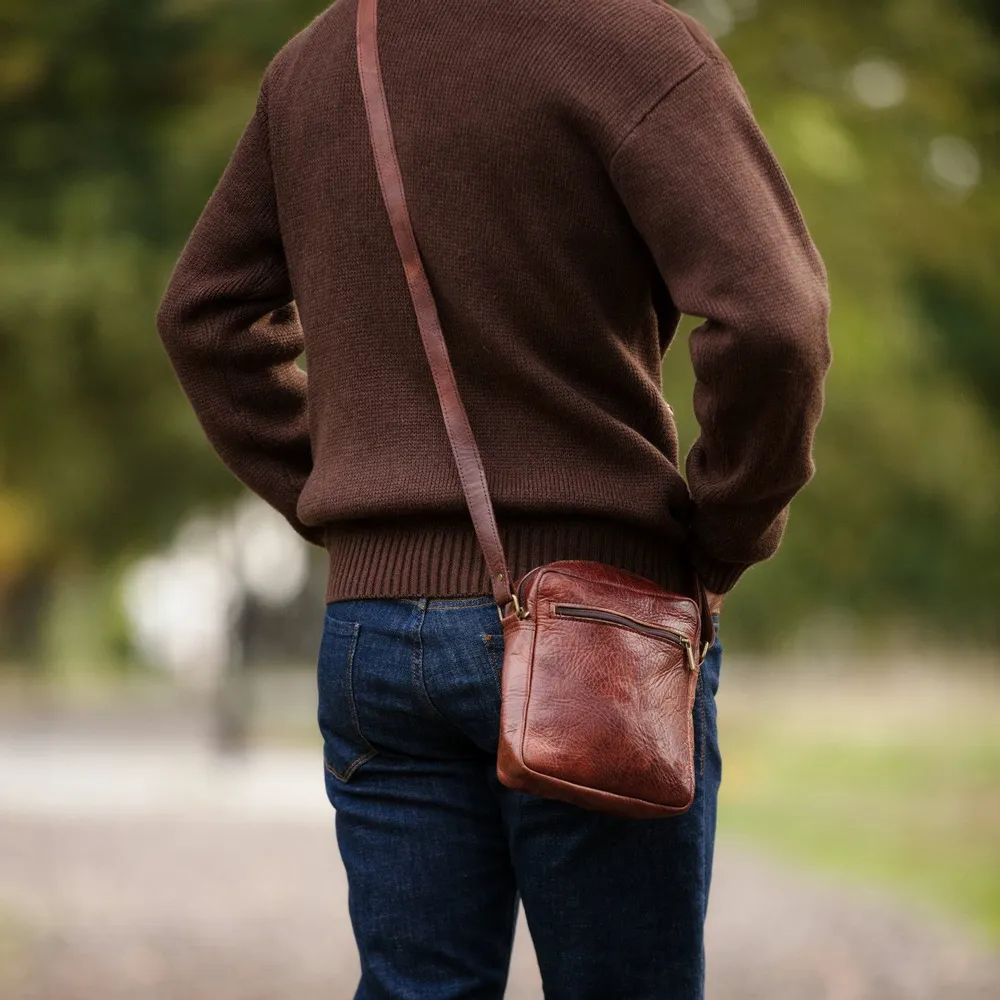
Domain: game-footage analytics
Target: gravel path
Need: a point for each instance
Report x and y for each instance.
(138, 865)
(227, 910)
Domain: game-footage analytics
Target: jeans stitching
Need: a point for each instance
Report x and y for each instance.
(706, 843)
(346, 776)
(418, 664)
(489, 641)
(339, 626)
(704, 722)
(460, 603)
(368, 751)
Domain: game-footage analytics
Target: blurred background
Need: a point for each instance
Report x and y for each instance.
(163, 825)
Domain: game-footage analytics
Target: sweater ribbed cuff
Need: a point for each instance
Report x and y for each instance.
(718, 577)
(314, 534)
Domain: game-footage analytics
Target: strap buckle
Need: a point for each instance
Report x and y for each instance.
(519, 612)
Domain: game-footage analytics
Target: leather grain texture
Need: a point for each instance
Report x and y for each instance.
(593, 712)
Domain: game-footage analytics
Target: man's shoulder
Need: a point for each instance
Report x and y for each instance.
(701, 36)
(640, 47)
(333, 23)
(651, 25)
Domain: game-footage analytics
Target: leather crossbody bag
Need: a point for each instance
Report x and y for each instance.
(600, 666)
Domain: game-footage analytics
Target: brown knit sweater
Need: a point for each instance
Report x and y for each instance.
(579, 173)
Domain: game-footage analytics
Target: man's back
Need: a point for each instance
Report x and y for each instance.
(557, 159)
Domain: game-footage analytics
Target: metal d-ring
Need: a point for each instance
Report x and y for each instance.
(519, 612)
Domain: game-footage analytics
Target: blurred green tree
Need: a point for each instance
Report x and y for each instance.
(117, 118)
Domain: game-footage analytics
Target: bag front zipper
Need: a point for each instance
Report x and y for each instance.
(633, 624)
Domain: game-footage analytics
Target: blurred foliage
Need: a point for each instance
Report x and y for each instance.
(837, 770)
(117, 118)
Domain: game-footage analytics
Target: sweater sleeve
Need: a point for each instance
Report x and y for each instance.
(706, 193)
(231, 329)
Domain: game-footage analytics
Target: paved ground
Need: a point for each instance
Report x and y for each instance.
(154, 872)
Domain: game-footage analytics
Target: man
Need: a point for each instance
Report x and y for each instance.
(579, 172)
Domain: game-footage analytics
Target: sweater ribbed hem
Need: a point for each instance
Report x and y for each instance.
(441, 557)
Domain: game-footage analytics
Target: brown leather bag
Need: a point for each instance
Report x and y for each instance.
(600, 665)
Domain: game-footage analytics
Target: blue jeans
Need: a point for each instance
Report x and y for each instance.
(438, 852)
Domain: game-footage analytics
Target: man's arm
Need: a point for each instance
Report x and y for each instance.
(709, 198)
(230, 327)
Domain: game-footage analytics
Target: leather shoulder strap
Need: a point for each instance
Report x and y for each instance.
(456, 420)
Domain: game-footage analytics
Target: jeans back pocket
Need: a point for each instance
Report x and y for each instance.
(345, 748)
